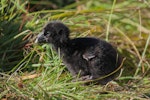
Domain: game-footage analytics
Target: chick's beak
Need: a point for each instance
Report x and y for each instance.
(41, 38)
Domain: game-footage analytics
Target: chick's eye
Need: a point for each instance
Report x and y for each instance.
(46, 33)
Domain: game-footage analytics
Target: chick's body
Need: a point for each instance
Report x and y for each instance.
(89, 58)
(93, 57)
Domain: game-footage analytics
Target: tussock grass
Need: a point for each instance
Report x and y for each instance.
(30, 71)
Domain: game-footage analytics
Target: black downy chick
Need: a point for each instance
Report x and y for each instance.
(89, 58)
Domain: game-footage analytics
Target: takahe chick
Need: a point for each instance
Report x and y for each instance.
(87, 57)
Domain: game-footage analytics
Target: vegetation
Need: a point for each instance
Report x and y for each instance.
(30, 71)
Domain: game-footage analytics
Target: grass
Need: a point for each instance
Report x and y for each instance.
(30, 71)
